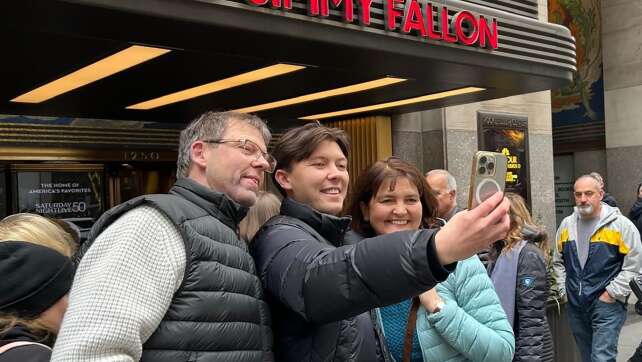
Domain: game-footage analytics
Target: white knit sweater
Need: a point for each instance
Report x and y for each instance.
(122, 289)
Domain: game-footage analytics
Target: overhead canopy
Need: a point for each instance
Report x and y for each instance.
(218, 43)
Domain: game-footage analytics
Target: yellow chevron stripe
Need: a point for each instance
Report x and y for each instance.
(612, 237)
(563, 238)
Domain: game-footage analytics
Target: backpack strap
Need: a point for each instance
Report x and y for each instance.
(12, 345)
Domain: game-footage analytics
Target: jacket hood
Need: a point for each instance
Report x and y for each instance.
(636, 209)
(533, 234)
(609, 199)
(608, 214)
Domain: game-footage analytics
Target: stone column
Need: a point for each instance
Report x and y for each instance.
(419, 138)
(447, 138)
(622, 59)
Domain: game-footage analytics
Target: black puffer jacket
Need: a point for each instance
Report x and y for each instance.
(533, 341)
(38, 351)
(636, 214)
(319, 289)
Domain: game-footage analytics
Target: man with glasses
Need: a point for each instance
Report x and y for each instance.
(597, 252)
(166, 277)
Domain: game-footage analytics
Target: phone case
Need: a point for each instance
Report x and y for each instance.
(488, 176)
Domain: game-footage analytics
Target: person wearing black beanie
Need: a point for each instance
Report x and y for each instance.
(33, 299)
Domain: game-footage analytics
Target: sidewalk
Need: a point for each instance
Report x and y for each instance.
(631, 334)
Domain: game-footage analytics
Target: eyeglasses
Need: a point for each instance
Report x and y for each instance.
(250, 149)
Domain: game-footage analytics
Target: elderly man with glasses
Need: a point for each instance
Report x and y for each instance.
(166, 277)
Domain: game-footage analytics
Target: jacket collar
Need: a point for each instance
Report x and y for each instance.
(608, 214)
(21, 333)
(215, 203)
(331, 227)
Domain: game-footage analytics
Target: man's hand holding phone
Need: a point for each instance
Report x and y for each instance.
(471, 231)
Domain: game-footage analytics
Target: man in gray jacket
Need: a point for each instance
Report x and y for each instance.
(166, 277)
(597, 252)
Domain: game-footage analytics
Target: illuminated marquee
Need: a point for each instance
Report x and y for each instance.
(508, 134)
(408, 17)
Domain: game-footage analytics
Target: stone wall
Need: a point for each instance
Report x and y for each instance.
(460, 143)
(622, 57)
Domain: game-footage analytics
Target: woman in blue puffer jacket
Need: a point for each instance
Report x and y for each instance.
(463, 320)
(459, 320)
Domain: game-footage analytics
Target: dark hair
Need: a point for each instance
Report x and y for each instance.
(371, 180)
(299, 143)
(638, 189)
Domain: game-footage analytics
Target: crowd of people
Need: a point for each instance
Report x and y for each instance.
(217, 270)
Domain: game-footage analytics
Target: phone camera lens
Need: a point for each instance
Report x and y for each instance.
(482, 170)
(482, 159)
(490, 166)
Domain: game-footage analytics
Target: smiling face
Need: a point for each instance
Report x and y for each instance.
(396, 209)
(320, 181)
(229, 170)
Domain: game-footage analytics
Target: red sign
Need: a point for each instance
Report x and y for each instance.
(408, 17)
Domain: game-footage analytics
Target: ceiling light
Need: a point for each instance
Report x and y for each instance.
(217, 86)
(403, 102)
(105, 67)
(324, 94)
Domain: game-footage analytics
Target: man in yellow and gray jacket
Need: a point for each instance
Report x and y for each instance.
(597, 252)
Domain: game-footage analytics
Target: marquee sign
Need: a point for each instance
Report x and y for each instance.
(422, 19)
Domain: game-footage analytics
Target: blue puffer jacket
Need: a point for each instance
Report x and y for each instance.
(472, 326)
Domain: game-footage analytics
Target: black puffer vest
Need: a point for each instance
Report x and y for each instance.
(218, 313)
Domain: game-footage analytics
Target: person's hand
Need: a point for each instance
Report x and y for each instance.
(473, 230)
(606, 298)
(430, 299)
(563, 298)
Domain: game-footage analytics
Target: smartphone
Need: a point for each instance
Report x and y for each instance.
(488, 176)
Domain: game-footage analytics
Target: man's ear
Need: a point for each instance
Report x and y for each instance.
(283, 178)
(365, 211)
(453, 194)
(198, 154)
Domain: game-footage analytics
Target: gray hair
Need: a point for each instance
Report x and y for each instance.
(450, 180)
(212, 125)
(597, 178)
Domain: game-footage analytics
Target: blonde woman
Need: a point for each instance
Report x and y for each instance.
(266, 206)
(519, 272)
(36, 277)
(38, 230)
